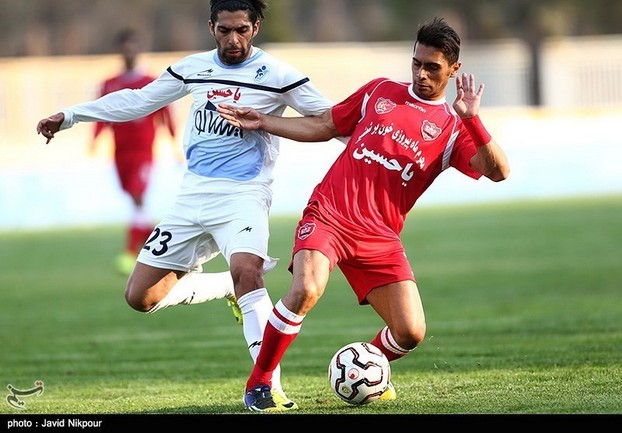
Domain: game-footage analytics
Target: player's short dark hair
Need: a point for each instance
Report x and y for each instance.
(440, 35)
(126, 35)
(256, 8)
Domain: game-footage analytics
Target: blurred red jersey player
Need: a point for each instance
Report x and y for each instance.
(133, 147)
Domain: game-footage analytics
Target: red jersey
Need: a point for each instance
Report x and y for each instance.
(136, 136)
(399, 144)
(134, 140)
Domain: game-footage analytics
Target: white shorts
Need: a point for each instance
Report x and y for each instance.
(211, 217)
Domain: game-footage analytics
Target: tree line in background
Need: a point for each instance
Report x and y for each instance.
(78, 27)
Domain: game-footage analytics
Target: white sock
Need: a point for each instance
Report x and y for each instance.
(196, 288)
(256, 307)
(141, 218)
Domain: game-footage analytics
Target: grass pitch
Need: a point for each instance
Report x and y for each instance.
(523, 305)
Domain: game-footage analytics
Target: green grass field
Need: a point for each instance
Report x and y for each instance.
(523, 302)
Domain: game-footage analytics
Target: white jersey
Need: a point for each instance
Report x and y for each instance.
(213, 148)
(225, 196)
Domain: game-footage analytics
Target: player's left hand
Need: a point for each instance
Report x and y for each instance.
(467, 96)
(50, 126)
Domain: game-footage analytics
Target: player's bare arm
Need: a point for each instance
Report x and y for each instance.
(50, 126)
(305, 129)
(490, 160)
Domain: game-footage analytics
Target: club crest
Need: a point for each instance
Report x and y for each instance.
(429, 131)
(306, 230)
(384, 106)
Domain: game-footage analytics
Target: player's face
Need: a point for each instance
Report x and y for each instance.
(234, 33)
(129, 50)
(431, 72)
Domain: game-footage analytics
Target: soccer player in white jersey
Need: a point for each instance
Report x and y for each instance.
(403, 135)
(225, 196)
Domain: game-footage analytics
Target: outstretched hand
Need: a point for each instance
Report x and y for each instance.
(50, 126)
(467, 97)
(244, 117)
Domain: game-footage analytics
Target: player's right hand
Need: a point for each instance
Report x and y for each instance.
(242, 117)
(50, 126)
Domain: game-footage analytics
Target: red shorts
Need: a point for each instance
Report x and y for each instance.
(367, 260)
(134, 171)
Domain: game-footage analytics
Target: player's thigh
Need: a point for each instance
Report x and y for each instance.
(399, 304)
(310, 274)
(148, 285)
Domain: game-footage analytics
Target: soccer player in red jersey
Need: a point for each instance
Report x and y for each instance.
(133, 147)
(402, 136)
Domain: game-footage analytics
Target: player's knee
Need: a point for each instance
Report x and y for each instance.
(247, 277)
(138, 303)
(303, 298)
(411, 336)
(418, 335)
(310, 296)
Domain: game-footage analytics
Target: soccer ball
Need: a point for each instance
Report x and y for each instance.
(359, 373)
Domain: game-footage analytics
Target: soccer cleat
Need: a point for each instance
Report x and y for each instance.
(237, 313)
(389, 393)
(282, 401)
(259, 399)
(125, 263)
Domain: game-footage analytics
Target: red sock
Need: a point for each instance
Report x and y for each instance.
(273, 347)
(379, 340)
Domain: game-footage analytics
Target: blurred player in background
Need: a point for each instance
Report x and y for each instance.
(225, 196)
(403, 135)
(134, 143)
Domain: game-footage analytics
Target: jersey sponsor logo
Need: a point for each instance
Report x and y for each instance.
(399, 136)
(384, 106)
(208, 120)
(429, 131)
(236, 94)
(306, 230)
(262, 74)
(389, 163)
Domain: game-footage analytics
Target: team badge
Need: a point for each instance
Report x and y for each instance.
(306, 230)
(384, 106)
(261, 74)
(429, 131)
